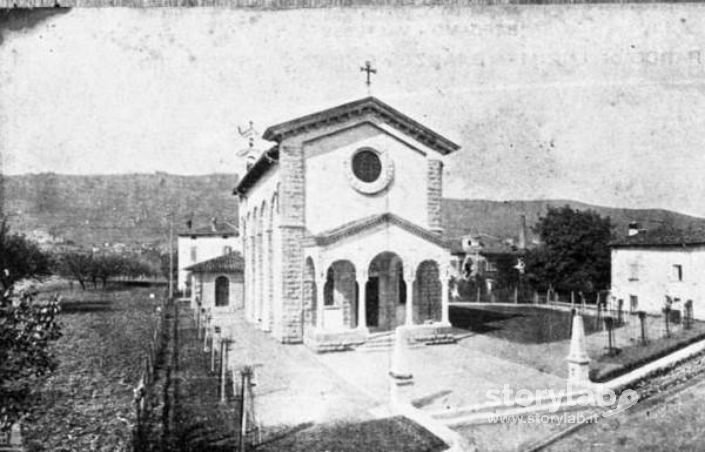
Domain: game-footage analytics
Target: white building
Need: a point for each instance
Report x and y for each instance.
(341, 226)
(218, 286)
(648, 266)
(200, 244)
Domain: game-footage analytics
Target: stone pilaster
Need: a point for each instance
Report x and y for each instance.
(434, 192)
(292, 204)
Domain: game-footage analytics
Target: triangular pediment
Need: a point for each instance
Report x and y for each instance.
(361, 108)
(365, 224)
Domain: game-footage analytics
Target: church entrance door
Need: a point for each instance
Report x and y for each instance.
(385, 300)
(372, 302)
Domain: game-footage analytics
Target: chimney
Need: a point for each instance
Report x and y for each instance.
(633, 229)
(522, 232)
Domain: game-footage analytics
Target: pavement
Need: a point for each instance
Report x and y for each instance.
(293, 386)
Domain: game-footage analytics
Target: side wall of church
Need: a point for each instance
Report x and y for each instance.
(260, 241)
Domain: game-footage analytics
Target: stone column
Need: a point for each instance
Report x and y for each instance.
(260, 280)
(320, 299)
(445, 278)
(361, 277)
(409, 276)
(266, 270)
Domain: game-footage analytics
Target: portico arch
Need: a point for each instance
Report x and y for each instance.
(427, 292)
(340, 293)
(385, 292)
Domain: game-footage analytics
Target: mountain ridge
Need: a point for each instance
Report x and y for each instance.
(133, 208)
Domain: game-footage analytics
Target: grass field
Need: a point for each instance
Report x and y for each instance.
(86, 404)
(540, 338)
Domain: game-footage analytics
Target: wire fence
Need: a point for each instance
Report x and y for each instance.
(152, 360)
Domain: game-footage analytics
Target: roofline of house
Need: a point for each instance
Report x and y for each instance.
(657, 245)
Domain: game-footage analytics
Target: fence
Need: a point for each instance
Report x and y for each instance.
(144, 390)
(235, 385)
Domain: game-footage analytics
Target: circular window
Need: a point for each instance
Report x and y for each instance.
(369, 170)
(366, 165)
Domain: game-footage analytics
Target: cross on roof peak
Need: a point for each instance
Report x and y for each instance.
(370, 70)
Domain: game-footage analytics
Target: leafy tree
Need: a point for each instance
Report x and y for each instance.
(19, 259)
(26, 326)
(77, 265)
(574, 254)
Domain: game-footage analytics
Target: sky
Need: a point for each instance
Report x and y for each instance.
(597, 103)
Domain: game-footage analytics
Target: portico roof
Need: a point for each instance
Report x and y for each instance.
(355, 227)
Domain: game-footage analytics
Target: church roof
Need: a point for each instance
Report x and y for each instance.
(368, 105)
(227, 263)
(357, 226)
(261, 166)
(358, 108)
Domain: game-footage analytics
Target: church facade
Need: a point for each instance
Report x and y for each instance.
(341, 227)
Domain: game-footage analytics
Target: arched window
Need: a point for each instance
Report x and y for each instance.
(222, 291)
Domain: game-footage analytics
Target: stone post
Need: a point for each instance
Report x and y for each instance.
(224, 348)
(401, 379)
(578, 359)
(214, 340)
(642, 321)
(400, 369)
(206, 332)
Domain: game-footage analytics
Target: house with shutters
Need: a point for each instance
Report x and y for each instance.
(341, 227)
(650, 267)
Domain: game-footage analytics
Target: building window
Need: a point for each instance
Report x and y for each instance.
(227, 249)
(678, 272)
(491, 267)
(633, 303)
(222, 291)
(369, 170)
(634, 272)
(366, 165)
(193, 254)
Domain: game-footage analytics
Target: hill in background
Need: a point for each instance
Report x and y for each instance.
(130, 209)
(502, 218)
(133, 208)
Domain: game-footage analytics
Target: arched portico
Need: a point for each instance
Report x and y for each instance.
(340, 295)
(427, 296)
(385, 292)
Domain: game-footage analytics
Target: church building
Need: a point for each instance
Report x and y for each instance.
(341, 227)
